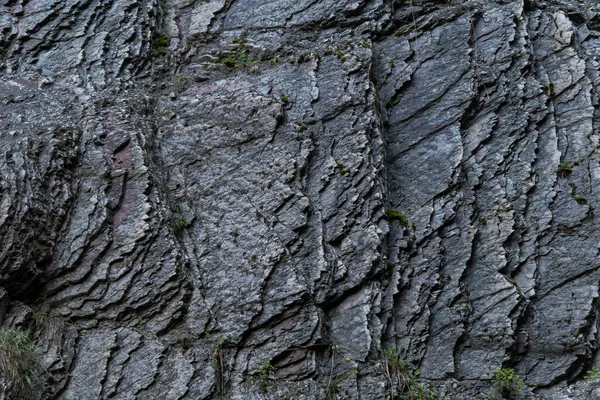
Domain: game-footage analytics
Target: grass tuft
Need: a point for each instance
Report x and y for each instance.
(394, 215)
(20, 362)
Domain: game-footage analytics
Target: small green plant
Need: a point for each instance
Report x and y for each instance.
(301, 126)
(217, 357)
(284, 99)
(565, 169)
(161, 46)
(178, 225)
(218, 349)
(334, 388)
(332, 384)
(180, 80)
(581, 200)
(265, 368)
(40, 317)
(507, 384)
(19, 361)
(141, 320)
(394, 215)
(403, 381)
(592, 375)
(336, 377)
(265, 371)
(342, 168)
(549, 90)
(232, 62)
(240, 58)
(304, 57)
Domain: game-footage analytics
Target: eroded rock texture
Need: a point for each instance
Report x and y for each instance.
(190, 188)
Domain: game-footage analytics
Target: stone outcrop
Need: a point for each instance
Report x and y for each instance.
(250, 199)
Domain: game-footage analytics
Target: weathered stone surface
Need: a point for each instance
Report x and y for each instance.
(188, 189)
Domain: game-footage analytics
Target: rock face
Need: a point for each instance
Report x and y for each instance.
(250, 199)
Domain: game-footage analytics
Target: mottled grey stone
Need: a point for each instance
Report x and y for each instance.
(192, 191)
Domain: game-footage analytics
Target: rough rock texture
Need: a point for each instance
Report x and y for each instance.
(189, 188)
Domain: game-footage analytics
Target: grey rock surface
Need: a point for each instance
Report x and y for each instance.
(193, 190)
